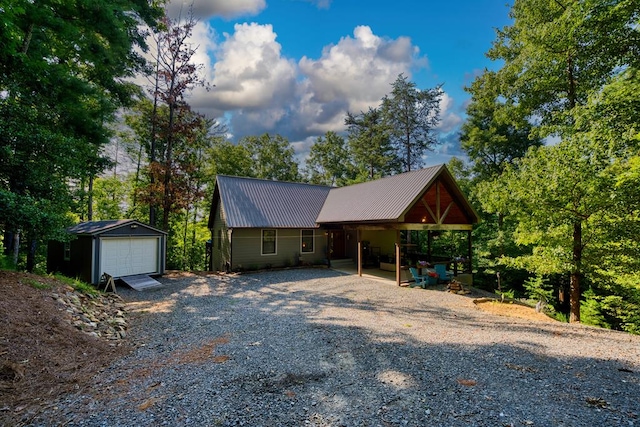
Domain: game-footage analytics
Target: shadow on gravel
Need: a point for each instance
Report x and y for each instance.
(312, 347)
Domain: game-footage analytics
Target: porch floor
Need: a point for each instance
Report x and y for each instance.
(370, 273)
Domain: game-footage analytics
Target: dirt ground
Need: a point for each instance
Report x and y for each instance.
(42, 355)
(512, 309)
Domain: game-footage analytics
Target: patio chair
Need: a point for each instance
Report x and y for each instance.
(443, 274)
(421, 281)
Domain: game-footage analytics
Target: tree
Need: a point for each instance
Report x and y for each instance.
(411, 115)
(64, 69)
(495, 133)
(329, 161)
(556, 56)
(370, 144)
(272, 156)
(176, 76)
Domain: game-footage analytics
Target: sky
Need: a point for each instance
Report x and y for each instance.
(295, 67)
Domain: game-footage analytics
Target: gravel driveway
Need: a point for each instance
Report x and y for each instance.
(318, 348)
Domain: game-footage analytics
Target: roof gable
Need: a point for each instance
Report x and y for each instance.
(259, 203)
(392, 198)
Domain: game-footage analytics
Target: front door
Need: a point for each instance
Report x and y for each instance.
(338, 244)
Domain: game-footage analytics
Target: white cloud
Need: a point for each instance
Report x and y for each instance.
(449, 120)
(250, 72)
(204, 9)
(258, 90)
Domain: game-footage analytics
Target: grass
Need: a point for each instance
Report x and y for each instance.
(35, 284)
(77, 284)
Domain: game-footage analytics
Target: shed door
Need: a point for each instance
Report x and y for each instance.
(129, 255)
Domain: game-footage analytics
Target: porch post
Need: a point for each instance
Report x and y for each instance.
(470, 251)
(359, 252)
(329, 246)
(429, 238)
(398, 263)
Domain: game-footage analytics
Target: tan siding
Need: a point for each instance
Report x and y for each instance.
(247, 248)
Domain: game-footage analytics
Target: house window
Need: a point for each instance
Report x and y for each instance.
(67, 251)
(307, 241)
(269, 242)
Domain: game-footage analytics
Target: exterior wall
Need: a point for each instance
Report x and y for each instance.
(384, 240)
(220, 242)
(80, 262)
(247, 248)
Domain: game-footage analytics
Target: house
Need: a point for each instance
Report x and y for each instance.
(258, 223)
(119, 248)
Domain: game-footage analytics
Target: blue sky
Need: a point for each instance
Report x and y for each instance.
(294, 67)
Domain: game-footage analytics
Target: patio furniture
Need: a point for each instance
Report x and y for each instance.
(443, 274)
(421, 281)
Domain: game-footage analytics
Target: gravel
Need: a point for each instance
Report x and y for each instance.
(314, 347)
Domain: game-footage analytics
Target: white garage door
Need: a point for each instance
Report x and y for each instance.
(127, 256)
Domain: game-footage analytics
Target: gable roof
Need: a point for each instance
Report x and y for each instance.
(259, 203)
(386, 199)
(91, 228)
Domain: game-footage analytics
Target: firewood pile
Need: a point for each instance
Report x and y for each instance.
(456, 287)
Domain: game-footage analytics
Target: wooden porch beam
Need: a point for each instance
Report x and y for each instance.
(446, 212)
(433, 216)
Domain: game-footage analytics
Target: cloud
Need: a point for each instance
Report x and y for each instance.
(449, 120)
(320, 4)
(250, 72)
(204, 9)
(259, 90)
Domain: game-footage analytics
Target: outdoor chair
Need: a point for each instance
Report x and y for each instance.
(443, 274)
(420, 280)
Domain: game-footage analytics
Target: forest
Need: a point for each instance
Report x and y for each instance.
(551, 142)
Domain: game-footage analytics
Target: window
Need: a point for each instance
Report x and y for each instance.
(307, 241)
(269, 242)
(67, 251)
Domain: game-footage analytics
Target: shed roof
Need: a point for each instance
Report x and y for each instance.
(255, 203)
(384, 200)
(92, 228)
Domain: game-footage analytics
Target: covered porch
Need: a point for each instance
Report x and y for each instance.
(399, 222)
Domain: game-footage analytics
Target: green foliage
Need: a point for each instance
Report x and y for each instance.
(369, 142)
(411, 115)
(108, 196)
(569, 71)
(37, 285)
(329, 161)
(273, 157)
(591, 310)
(64, 68)
(538, 288)
(77, 284)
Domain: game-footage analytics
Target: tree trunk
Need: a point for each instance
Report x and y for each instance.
(31, 254)
(574, 287)
(16, 247)
(90, 199)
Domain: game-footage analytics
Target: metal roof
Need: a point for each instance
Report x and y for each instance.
(255, 203)
(384, 199)
(96, 227)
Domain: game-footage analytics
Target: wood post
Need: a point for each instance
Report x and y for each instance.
(359, 252)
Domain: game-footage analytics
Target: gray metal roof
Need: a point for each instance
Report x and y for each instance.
(97, 227)
(384, 199)
(255, 203)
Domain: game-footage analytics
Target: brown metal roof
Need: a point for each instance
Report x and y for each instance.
(382, 200)
(255, 203)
